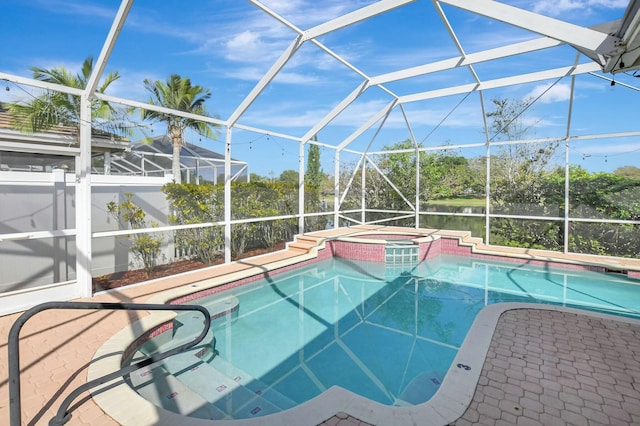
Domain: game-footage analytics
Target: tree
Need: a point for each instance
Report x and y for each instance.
(518, 172)
(192, 204)
(600, 195)
(179, 94)
(256, 178)
(517, 167)
(631, 172)
(442, 174)
(507, 121)
(314, 176)
(53, 108)
(399, 168)
(289, 176)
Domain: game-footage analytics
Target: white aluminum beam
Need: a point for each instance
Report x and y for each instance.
(265, 80)
(336, 188)
(336, 110)
(112, 37)
(339, 59)
(40, 84)
(353, 175)
(454, 37)
(144, 159)
(580, 37)
(354, 17)
(275, 16)
(384, 111)
(301, 195)
(618, 83)
(417, 162)
(629, 32)
(265, 132)
(122, 160)
(227, 195)
(502, 82)
(84, 251)
(18, 236)
(118, 165)
(291, 26)
(142, 105)
(469, 59)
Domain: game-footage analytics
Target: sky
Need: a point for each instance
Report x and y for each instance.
(228, 45)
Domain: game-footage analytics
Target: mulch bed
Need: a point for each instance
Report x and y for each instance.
(120, 279)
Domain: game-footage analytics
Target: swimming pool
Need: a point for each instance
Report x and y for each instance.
(387, 333)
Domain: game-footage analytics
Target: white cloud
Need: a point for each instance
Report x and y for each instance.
(261, 40)
(610, 148)
(558, 93)
(284, 7)
(130, 84)
(285, 115)
(295, 78)
(298, 115)
(245, 46)
(308, 13)
(64, 7)
(560, 7)
(356, 115)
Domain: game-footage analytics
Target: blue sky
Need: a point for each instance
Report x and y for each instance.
(228, 45)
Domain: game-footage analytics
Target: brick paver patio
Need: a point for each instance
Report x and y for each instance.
(554, 368)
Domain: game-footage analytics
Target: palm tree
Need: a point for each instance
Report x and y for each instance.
(177, 93)
(53, 108)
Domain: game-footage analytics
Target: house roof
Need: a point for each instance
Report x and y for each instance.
(162, 145)
(12, 139)
(155, 156)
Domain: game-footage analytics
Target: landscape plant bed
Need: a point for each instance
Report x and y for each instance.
(124, 278)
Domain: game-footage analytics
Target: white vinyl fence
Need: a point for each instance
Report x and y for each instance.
(37, 231)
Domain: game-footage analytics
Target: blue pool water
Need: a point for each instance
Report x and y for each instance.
(386, 333)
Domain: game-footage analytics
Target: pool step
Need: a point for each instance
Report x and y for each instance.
(161, 388)
(185, 329)
(304, 243)
(421, 388)
(188, 325)
(230, 390)
(251, 383)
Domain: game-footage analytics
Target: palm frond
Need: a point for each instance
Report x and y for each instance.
(54, 108)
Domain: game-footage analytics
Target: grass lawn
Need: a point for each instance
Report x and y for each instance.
(458, 202)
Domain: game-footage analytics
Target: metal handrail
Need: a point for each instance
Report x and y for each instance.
(62, 415)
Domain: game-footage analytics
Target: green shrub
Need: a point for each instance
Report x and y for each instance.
(192, 204)
(146, 247)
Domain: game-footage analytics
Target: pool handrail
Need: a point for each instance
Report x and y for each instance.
(63, 416)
